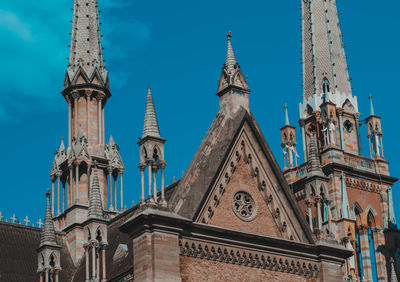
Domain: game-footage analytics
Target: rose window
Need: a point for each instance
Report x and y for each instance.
(244, 206)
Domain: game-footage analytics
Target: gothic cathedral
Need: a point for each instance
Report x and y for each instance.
(234, 214)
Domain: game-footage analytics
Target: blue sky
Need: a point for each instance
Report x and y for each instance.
(177, 48)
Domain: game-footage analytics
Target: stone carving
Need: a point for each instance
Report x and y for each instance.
(244, 206)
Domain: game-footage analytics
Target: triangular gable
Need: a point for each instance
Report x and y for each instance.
(229, 141)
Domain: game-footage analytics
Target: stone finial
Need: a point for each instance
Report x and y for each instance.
(150, 126)
(95, 206)
(286, 115)
(371, 105)
(48, 235)
(62, 146)
(230, 55)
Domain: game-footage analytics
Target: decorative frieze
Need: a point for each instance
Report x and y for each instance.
(231, 255)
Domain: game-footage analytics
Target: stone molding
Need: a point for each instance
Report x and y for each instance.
(220, 253)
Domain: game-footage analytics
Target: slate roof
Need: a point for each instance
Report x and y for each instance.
(18, 259)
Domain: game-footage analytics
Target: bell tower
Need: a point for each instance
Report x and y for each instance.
(86, 90)
(344, 195)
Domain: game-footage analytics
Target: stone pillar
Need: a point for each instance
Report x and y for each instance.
(53, 180)
(149, 168)
(318, 200)
(63, 196)
(77, 183)
(99, 126)
(87, 263)
(122, 190)
(356, 117)
(162, 166)
(110, 169)
(154, 170)
(115, 192)
(150, 262)
(88, 183)
(380, 261)
(98, 263)
(93, 245)
(309, 205)
(46, 275)
(340, 114)
(380, 137)
(103, 126)
(70, 187)
(58, 191)
(303, 136)
(104, 274)
(69, 121)
(366, 259)
(88, 93)
(41, 277)
(142, 167)
(75, 95)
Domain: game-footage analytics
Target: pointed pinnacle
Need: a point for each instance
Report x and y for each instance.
(150, 126)
(230, 55)
(286, 115)
(48, 235)
(95, 206)
(371, 105)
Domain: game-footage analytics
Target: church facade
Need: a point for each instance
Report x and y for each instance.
(234, 214)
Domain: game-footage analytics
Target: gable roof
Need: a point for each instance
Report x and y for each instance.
(18, 255)
(191, 192)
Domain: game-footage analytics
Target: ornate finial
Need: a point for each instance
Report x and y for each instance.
(286, 114)
(150, 126)
(48, 235)
(95, 164)
(371, 105)
(1, 216)
(95, 205)
(229, 35)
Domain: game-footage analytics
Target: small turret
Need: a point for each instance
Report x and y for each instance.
(288, 138)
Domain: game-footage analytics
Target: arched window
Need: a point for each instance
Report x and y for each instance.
(325, 85)
(371, 225)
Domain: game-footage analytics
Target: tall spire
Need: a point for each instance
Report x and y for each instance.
(231, 72)
(48, 235)
(324, 58)
(345, 201)
(371, 105)
(150, 127)
(286, 115)
(314, 164)
(86, 48)
(95, 206)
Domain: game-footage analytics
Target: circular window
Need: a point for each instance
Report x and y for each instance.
(244, 206)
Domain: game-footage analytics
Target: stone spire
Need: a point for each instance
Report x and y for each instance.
(62, 146)
(371, 105)
(95, 206)
(150, 126)
(48, 235)
(231, 72)
(286, 115)
(393, 275)
(345, 200)
(86, 49)
(324, 59)
(314, 164)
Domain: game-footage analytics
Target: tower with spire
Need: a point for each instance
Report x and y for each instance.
(151, 147)
(87, 90)
(344, 195)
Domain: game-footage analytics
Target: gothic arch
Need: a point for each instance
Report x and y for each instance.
(356, 212)
(348, 106)
(371, 209)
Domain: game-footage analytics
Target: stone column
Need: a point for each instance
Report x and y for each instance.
(98, 263)
(340, 114)
(46, 275)
(63, 196)
(154, 170)
(87, 262)
(149, 165)
(41, 276)
(75, 95)
(56, 275)
(88, 94)
(53, 180)
(121, 182)
(370, 145)
(356, 117)
(58, 191)
(380, 137)
(99, 126)
(69, 121)
(110, 170)
(380, 261)
(77, 183)
(142, 167)
(88, 183)
(102, 126)
(309, 205)
(303, 136)
(70, 187)
(162, 166)
(366, 259)
(104, 274)
(93, 259)
(115, 192)
(318, 200)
